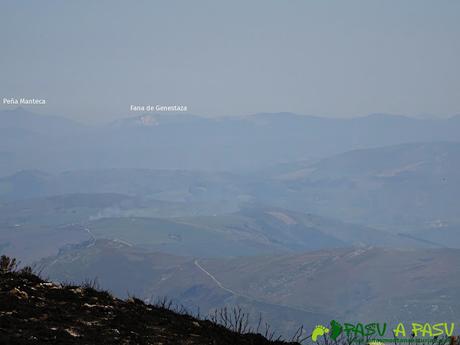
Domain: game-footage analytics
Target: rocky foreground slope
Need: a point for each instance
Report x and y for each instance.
(34, 311)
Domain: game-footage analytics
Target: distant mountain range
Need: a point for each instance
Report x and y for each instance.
(401, 188)
(407, 188)
(304, 219)
(41, 227)
(178, 141)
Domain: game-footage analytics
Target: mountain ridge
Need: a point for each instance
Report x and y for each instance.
(237, 143)
(35, 310)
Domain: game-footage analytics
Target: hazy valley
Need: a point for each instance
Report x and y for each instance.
(304, 228)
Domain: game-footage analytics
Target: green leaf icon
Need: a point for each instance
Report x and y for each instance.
(336, 329)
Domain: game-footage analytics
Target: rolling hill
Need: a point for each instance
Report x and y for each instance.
(345, 284)
(35, 310)
(403, 188)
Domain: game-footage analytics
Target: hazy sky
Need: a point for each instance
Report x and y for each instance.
(92, 59)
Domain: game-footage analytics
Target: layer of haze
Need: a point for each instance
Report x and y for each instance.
(92, 59)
